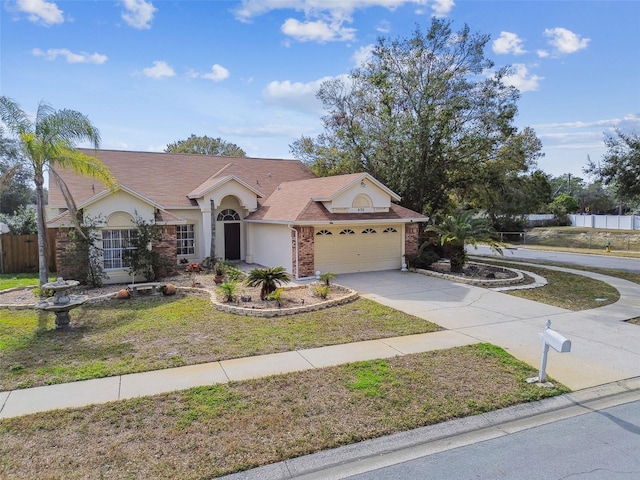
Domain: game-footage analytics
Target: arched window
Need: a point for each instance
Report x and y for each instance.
(368, 231)
(228, 215)
(347, 231)
(389, 230)
(324, 232)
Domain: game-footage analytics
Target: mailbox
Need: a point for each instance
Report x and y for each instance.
(550, 338)
(556, 341)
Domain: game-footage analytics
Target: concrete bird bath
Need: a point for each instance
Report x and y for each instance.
(61, 302)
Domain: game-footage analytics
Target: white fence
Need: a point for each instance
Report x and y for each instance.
(613, 222)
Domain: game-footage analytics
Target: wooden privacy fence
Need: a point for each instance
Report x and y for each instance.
(20, 253)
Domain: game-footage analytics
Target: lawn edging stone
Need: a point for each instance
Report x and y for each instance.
(238, 309)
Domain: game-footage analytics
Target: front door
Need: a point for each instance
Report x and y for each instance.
(232, 241)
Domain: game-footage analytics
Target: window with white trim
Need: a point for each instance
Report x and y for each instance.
(228, 215)
(115, 244)
(186, 238)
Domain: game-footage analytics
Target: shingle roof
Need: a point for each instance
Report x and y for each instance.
(168, 178)
(288, 187)
(293, 202)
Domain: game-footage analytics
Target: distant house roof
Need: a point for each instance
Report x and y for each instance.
(167, 179)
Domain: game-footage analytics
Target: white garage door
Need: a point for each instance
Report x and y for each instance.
(358, 249)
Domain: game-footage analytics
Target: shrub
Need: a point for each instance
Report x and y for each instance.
(267, 279)
(327, 277)
(228, 290)
(277, 296)
(321, 291)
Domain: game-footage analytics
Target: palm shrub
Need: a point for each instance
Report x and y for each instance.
(267, 279)
(228, 290)
(462, 229)
(327, 277)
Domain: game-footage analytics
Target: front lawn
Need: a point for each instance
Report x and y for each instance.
(215, 430)
(564, 290)
(12, 280)
(150, 333)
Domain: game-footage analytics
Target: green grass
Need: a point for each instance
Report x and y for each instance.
(220, 429)
(13, 280)
(565, 290)
(114, 337)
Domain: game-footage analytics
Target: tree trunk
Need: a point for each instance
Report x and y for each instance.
(43, 268)
(457, 257)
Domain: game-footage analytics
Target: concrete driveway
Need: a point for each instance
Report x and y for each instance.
(604, 347)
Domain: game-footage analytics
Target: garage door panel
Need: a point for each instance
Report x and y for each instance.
(359, 252)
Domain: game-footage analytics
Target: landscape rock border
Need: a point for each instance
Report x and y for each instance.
(483, 282)
(238, 309)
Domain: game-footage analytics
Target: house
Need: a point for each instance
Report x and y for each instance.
(263, 211)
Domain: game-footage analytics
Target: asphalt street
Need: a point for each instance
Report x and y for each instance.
(599, 261)
(601, 445)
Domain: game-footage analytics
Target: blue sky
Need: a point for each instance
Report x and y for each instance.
(149, 72)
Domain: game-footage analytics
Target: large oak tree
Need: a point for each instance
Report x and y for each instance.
(426, 115)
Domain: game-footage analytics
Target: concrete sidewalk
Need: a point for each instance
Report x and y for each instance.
(77, 394)
(604, 349)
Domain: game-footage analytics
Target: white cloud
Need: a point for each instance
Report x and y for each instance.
(542, 53)
(324, 20)
(363, 55)
(384, 26)
(217, 73)
(318, 30)
(522, 79)
(565, 41)
(296, 96)
(70, 57)
(160, 69)
(39, 11)
(442, 8)
(138, 13)
(630, 120)
(508, 43)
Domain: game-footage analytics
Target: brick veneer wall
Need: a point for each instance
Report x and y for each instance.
(63, 240)
(411, 238)
(305, 251)
(168, 248)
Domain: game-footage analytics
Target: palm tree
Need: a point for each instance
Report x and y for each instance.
(49, 141)
(267, 279)
(465, 228)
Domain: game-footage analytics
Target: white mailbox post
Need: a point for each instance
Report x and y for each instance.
(550, 338)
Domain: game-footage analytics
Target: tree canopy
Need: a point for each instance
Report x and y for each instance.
(15, 181)
(206, 146)
(425, 117)
(620, 165)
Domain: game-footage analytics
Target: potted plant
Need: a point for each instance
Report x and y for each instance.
(218, 272)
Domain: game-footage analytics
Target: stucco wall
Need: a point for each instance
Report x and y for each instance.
(270, 245)
(379, 198)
